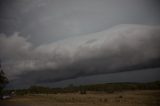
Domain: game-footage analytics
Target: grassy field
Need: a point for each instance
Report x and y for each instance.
(125, 98)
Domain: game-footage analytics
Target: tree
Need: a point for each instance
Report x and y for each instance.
(3, 79)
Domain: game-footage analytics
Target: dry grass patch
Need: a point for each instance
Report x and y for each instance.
(128, 98)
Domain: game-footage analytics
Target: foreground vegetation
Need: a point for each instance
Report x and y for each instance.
(108, 94)
(125, 98)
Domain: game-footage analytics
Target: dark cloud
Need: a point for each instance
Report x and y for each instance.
(121, 48)
(36, 38)
(53, 20)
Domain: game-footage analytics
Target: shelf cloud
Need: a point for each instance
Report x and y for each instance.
(121, 48)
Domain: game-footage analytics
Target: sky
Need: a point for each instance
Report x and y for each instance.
(58, 42)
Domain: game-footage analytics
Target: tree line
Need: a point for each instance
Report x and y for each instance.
(83, 89)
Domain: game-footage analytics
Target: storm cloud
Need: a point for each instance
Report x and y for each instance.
(52, 20)
(121, 48)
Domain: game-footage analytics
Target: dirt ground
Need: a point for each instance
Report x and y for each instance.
(127, 98)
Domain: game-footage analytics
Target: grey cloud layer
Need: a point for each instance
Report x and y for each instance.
(121, 48)
(60, 19)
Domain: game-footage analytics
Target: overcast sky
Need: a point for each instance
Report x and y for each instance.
(51, 41)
